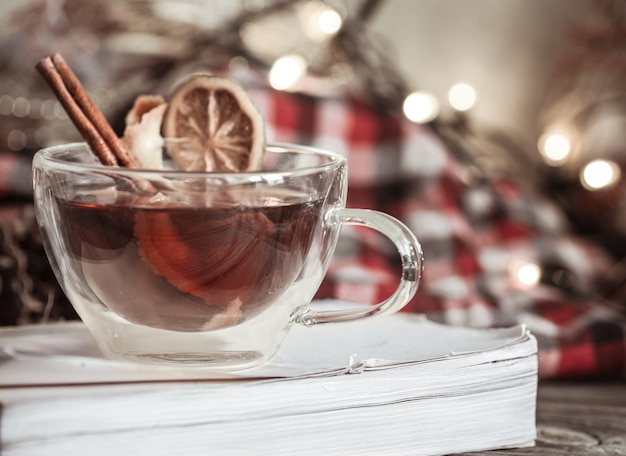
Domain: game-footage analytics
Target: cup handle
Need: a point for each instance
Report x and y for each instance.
(411, 255)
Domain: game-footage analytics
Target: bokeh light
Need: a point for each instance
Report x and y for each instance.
(320, 21)
(287, 71)
(462, 96)
(555, 148)
(526, 274)
(420, 107)
(329, 21)
(599, 174)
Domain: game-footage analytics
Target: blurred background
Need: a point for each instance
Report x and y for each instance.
(507, 50)
(534, 88)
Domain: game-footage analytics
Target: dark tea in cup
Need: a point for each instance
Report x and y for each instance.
(189, 267)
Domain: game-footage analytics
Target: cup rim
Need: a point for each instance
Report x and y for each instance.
(49, 156)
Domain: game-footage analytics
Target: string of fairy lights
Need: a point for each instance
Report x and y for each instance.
(596, 174)
(324, 22)
(556, 145)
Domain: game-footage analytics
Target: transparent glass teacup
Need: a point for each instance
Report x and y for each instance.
(203, 269)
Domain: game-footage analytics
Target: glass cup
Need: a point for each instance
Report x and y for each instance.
(203, 269)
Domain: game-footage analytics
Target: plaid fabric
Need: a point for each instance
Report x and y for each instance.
(475, 229)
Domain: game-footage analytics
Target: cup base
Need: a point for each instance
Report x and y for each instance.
(239, 347)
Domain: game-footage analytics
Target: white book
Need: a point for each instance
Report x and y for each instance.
(394, 385)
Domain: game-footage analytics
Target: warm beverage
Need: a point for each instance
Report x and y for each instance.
(188, 267)
(203, 269)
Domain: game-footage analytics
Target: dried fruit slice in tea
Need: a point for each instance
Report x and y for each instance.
(217, 255)
(237, 259)
(217, 245)
(223, 128)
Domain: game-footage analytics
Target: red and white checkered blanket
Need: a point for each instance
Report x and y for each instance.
(476, 230)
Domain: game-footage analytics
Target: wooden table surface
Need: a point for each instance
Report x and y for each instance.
(577, 419)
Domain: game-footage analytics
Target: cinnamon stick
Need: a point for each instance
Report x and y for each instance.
(83, 112)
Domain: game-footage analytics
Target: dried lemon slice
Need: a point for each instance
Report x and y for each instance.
(223, 129)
